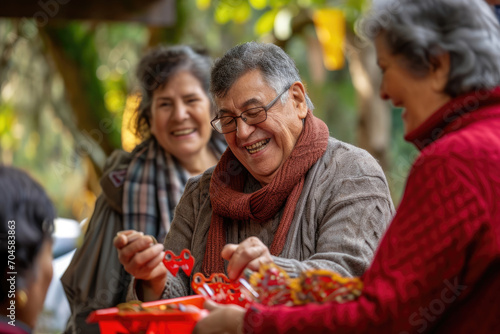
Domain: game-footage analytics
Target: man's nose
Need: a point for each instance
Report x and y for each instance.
(243, 130)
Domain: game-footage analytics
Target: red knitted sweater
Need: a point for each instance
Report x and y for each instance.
(437, 268)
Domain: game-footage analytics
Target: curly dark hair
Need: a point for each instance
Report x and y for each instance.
(160, 64)
(27, 212)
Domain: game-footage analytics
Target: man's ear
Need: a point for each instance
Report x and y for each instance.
(299, 99)
(440, 71)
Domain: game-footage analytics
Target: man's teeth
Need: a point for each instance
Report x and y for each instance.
(257, 146)
(183, 132)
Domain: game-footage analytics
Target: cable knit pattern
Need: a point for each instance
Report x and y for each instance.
(437, 269)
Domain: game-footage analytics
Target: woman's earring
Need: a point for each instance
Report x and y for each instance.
(22, 298)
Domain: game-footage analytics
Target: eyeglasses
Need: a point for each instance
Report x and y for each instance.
(227, 124)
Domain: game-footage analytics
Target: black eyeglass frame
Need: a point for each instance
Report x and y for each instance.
(265, 108)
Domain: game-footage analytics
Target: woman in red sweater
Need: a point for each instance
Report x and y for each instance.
(437, 269)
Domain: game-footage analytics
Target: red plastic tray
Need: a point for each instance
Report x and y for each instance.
(110, 322)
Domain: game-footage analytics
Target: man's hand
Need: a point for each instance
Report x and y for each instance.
(250, 253)
(222, 319)
(142, 259)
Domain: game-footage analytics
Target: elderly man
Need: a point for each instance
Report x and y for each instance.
(283, 192)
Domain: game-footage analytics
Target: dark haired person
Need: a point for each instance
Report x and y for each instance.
(437, 269)
(284, 191)
(26, 225)
(142, 188)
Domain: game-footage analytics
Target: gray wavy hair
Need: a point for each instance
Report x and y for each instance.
(277, 68)
(421, 30)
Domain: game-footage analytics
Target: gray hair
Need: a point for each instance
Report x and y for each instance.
(421, 30)
(278, 69)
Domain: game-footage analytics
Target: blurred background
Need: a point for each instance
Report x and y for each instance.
(67, 85)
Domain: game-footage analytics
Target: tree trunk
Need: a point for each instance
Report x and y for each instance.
(92, 133)
(374, 121)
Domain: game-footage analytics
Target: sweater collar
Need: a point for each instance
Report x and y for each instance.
(448, 117)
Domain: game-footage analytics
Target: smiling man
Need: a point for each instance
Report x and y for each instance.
(284, 191)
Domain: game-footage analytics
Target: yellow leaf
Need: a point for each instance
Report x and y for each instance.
(258, 4)
(129, 138)
(223, 13)
(242, 13)
(266, 22)
(330, 29)
(202, 4)
(114, 100)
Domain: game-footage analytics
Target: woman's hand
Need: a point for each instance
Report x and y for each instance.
(142, 258)
(250, 253)
(222, 319)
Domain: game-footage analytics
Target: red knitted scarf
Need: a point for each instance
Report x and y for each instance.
(228, 200)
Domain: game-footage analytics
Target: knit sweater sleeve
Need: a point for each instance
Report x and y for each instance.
(348, 208)
(423, 264)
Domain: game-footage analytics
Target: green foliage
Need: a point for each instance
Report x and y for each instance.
(241, 11)
(403, 155)
(353, 9)
(6, 122)
(258, 4)
(38, 131)
(202, 4)
(238, 11)
(265, 23)
(78, 42)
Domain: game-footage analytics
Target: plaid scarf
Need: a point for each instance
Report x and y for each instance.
(153, 186)
(229, 202)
